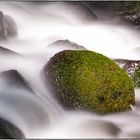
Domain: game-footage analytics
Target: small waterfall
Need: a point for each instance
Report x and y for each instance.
(38, 114)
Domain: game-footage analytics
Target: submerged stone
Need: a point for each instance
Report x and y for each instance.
(67, 44)
(9, 130)
(13, 79)
(5, 51)
(8, 27)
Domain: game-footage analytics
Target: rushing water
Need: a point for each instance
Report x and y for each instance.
(38, 115)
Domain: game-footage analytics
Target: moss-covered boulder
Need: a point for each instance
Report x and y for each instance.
(89, 81)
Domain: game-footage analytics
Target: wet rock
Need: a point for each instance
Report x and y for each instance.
(13, 79)
(85, 14)
(125, 12)
(135, 76)
(9, 130)
(67, 44)
(86, 80)
(128, 65)
(2, 32)
(5, 51)
(101, 10)
(8, 27)
(96, 127)
(121, 62)
(25, 110)
(131, 66)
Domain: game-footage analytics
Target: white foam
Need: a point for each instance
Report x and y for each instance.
(39, 26)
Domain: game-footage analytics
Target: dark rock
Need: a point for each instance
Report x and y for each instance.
(99, 125)
(85, 14)
(124, 12)
(5, 51)
(135, 76)
(120, 62)
(68, 45)
(13, 79)
(2, 30)
(21, 107)
(132, 68)
(8, 27)
(128, 65)
(9, 130)
(101, 9)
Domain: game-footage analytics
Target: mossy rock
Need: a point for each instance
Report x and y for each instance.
(85, 80)
(136, 77)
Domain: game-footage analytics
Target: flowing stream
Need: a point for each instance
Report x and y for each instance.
(38, 115)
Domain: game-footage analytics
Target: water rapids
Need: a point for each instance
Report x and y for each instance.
(37, 114)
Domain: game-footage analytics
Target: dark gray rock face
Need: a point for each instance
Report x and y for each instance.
(101, 9)
(4, 51)
(8, 27)
(121, 62)
(12, 79)
(2, 32)
(124, 12)
(9, 131)
(66, 44)
(132, 68)
(85, 14)
(128, 65)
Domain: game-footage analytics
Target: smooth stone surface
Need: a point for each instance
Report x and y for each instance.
(67, 45)
(8, 27)
(13, 79)
(9, 130)
(5, 51)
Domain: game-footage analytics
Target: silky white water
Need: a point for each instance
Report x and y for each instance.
(38, 115)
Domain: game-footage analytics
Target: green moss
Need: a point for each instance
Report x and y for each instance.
(89, 81)
(126, 6)
(136, 77)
